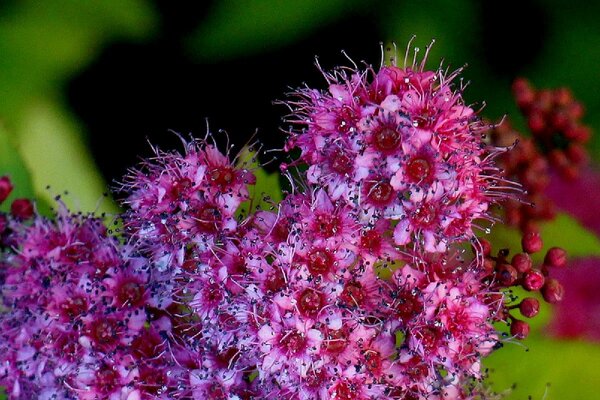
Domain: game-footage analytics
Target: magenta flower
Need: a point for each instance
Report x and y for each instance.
(367, 281)
(398, 144)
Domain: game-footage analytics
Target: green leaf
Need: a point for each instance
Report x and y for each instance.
(546, 369)
(43, 43)
(240, 27)
(51, 146)
(12, 164)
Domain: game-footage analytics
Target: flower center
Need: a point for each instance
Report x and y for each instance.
(341, 163)
(373, 360)
(415, 368)
(310, 302)
(346, 119)
(387, 139)
(426, 118)
(275, 280)
(315, 379)
(407, 306)
(425, 215)
(147, 345)
(336, 341)
(213, 294)
(428, 336)
(353, 294)
(222, 176)
(371, 240)
(418, 169)
(154, 380)
(344, 391)
(105, 331)
(73, 307)
(179, 187)
(207, 218)
(293, 342)
(319, 262)
(381, 193)
(130, 293)
(216, 392)
(281, 230)
(327, 225)
(106, 379)
(228, 357)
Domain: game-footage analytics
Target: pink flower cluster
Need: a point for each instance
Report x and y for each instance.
(77, 322)
(369, 284)
(398, 144)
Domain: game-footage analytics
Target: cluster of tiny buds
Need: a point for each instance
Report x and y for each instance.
(554, 118)
(526, 164)
(520, 271)
(556, 143)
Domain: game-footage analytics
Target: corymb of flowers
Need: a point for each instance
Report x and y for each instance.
(371, 279)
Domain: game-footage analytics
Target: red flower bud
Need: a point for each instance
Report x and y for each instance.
(533, 280)
(22, 208)
(522, 262)
(556, 257)
(507, 274)
(6, 187)
(486, 247)
(519, 329)
(529, 307)
(532, 242)
(553, 291)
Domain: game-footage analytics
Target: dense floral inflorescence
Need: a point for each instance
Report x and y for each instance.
(369, 284)
(401, 145)
(77, 324)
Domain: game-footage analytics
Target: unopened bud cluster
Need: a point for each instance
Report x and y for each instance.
(556, 143)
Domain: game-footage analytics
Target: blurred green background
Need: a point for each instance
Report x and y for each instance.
(84, 83)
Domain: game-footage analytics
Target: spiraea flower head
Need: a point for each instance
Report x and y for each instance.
(77, 301)
(365, 282)
(400, 144)
(181, 204)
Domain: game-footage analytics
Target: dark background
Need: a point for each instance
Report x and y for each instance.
(142, 90)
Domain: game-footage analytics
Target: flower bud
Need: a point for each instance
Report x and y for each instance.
(529, 307)
(556, 257)
(507, 274)
(519, 329)
(533, 280)
(486, 247)
(522, 262)
(532, 242)
(22, 208)
(6, 188)
(553, 291)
